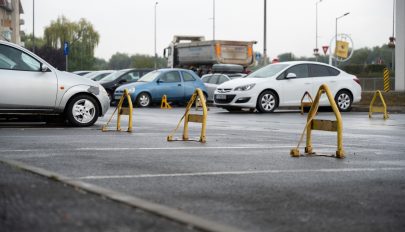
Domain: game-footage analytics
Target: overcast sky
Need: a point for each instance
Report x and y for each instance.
(127, 26)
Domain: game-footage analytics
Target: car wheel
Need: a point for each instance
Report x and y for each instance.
(344, 100)
(82, 111)
(267, 102)
(143, 100)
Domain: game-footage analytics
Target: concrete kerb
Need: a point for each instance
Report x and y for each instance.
(157, 209)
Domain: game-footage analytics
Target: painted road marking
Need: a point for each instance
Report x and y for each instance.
(153, 148)
(294, 171)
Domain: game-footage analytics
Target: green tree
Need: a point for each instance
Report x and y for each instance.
(82, 39)
(120, 61)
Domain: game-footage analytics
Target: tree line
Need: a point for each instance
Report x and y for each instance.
(83, 39)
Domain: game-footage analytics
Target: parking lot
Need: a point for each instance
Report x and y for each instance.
(243, 176)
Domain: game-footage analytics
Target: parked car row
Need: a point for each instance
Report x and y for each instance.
(31, 85)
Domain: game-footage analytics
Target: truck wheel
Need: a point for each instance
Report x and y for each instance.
(82, 111)
(143, 100)
(267, 102)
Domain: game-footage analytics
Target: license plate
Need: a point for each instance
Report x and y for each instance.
(220, 96)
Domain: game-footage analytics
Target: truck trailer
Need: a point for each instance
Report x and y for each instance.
(198, 54)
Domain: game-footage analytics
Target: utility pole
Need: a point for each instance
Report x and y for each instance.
(265, 34)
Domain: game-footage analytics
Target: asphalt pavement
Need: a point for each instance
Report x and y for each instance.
(243, 176)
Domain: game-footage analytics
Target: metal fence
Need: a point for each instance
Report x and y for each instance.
(375, 83)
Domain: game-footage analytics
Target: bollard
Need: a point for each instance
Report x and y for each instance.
(121, 111)
(324, 125)
(306, 104)
(386, 80)
(164, 104)
(379, 109)
(192, 118)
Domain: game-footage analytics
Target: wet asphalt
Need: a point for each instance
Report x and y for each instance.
(243, 176)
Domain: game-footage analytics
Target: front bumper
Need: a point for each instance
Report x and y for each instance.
(242, 99)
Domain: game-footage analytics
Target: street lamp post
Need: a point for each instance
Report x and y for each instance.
(265, 34)
(33, 26)
(316, 50)
(156, 3)
(337, 34)
(213, 20)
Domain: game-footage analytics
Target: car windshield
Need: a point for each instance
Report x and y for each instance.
(113, 76)
(268, 71)
(149, 76)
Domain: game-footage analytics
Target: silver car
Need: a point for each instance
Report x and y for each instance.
(211, 81)
(28, 84)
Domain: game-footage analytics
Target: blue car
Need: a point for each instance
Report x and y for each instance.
(177, 84)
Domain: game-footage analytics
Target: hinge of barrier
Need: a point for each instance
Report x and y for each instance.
(379, 109)
(121, 111)
(325, 125)
(196, 118)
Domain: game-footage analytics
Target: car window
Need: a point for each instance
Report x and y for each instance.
(267, 71)
(15, 59)
(173, 76)
(300, 70)
(131, 76)
(333, 71)
(206, 79)
(214, 79)
(319, 70)
(187, 76)
(222, 79)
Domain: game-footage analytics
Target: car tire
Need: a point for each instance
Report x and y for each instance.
(143, 100)
(82, 110)
(344, 100)
(267, 102)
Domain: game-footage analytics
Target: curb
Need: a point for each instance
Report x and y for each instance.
(157, 209)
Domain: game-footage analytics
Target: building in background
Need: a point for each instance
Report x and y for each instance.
(10, 21)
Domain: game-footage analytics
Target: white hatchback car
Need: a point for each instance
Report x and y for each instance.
(29, 85)
(284, 84)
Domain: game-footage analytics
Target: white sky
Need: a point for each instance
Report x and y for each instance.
(128, 25)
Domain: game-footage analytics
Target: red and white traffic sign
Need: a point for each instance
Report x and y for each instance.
(325, 49)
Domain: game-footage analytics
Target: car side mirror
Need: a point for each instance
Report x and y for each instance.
(291, 76)
(122, 81)
(44, 68)
(160, 81)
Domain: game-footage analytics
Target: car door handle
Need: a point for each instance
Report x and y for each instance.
(178, 84)
(307, 83)
(332, 81)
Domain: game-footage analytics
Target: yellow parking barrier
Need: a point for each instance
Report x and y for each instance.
(198, 104)
(165, 104)
(121, 111)
(325, 125)
(379, 109)
(192, 118)
(306, 104)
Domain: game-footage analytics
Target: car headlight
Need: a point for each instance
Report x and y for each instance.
(244, 87)
(131, 90)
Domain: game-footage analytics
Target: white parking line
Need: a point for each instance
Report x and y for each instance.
(332, 170)
(153, 148)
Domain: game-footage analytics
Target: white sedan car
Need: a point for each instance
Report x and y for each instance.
(284, 84)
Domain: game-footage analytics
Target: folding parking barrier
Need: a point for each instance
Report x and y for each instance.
(165, 104)
(192, 118)
(306, 104)
(121, 111)
(325, 125)
(379, 109)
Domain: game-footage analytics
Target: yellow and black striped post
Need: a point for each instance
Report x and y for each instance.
(386, 80)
